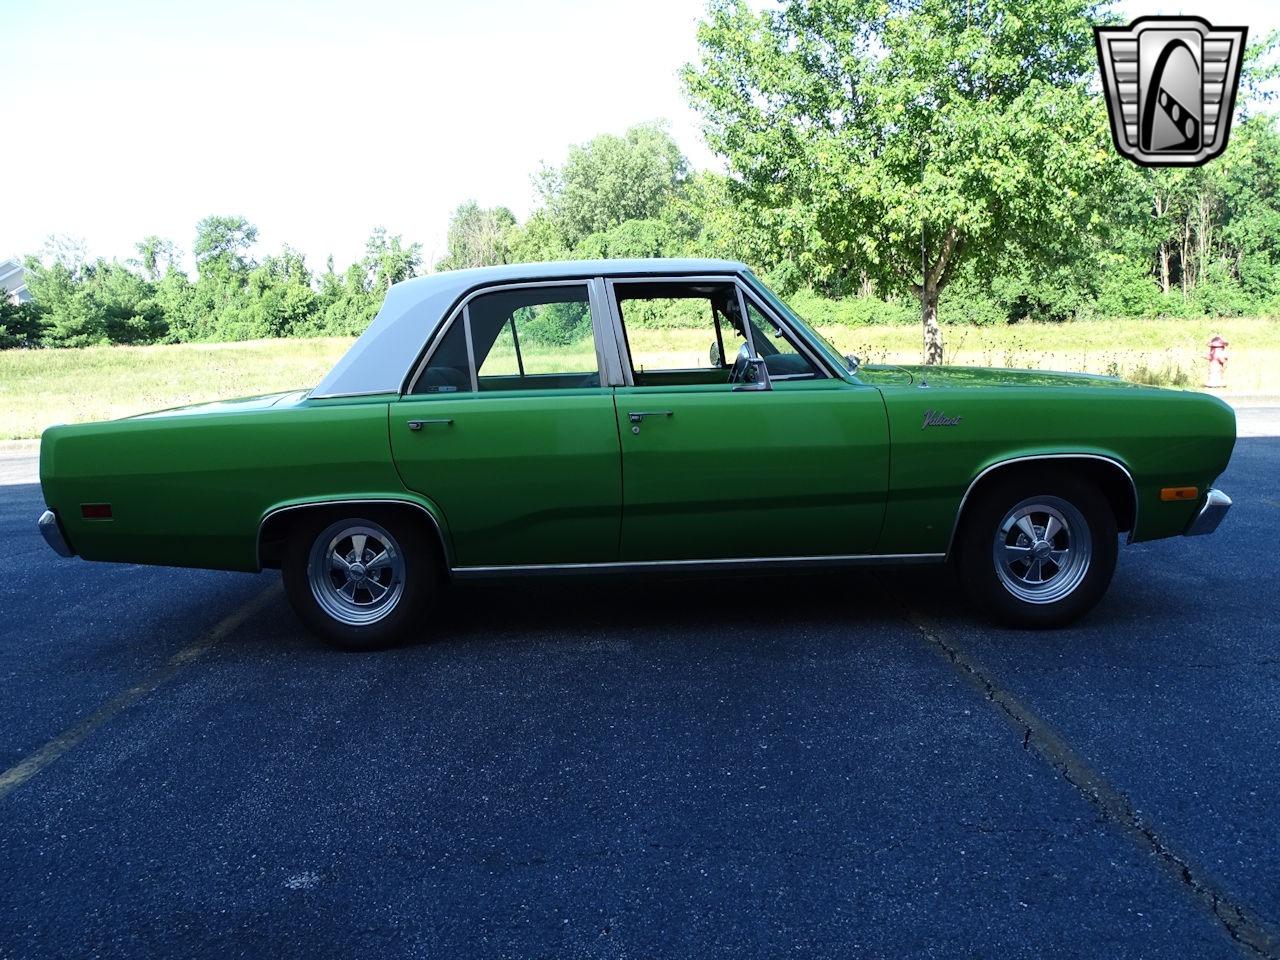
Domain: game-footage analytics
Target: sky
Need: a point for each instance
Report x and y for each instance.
(320, 120)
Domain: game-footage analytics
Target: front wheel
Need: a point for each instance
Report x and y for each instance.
(1038, 551)
(360, 581)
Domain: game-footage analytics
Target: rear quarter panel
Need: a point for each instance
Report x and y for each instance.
(1163, 437)
(191, 490)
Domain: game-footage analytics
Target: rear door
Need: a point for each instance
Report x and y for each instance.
(507, 429)
(714, 472)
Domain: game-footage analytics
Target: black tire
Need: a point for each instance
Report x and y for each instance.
(1008, 593)
(417, 577)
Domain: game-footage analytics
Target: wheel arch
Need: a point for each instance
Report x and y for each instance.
(1112, 476)
(275, 524)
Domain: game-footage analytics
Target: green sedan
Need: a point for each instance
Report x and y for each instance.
(629, 416)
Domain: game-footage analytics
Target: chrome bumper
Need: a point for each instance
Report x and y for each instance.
(1216, 505)
(51, 530)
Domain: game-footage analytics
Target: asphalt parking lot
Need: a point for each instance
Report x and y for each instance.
(838, 765)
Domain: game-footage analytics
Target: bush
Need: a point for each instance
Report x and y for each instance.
(1219, 294)
(20, 324)
(970, 307)
(852, 311)
(1125, 289)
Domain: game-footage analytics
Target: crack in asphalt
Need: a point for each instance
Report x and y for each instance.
(1241, 925)
(32, 764)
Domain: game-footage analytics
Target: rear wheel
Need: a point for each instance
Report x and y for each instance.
(1038, 550)
(361, 581)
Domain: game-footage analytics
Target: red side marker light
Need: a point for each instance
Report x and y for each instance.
(95, 511)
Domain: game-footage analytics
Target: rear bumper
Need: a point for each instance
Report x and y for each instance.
(1216, 505)
(51, 530)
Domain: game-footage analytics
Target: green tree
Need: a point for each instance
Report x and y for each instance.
(20, 324)
(224, 243)
(281, 295)
(612, 179)
(388, 260)
(156, 256)
(478, 237)
(901, 139)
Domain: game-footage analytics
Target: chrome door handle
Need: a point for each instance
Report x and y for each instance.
(638, 416)
(419, 424)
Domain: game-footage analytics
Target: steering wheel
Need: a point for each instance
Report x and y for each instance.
(739, 370)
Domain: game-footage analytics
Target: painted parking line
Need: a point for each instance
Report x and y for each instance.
(32, 764)
(1243, 926)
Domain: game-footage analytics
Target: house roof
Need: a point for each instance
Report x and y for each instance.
(379, 360)
(13, 278)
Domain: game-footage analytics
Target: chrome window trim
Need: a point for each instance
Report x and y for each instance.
(619, 335)
(955, 526)
(344, 501)
(460, 308)
(746, 321)
(608, 355)
(471, 349)
(725, 563)
(348, 396)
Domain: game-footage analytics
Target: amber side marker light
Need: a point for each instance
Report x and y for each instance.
(95, 511)
(1179, 493)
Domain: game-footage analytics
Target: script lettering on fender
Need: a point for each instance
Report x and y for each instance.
(936, 418)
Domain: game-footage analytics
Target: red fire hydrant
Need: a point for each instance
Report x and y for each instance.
(1217, 358)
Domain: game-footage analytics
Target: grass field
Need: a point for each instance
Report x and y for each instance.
(43, 387)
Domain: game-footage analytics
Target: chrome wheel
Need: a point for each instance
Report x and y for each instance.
(1042, 549)
(356, 572)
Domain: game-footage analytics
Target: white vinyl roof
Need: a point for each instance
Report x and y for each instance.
(379, 361)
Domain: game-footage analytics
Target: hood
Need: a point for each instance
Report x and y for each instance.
(243, 404)
(888, 375)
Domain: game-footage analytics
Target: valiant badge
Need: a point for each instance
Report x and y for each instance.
(936, 418)
(1171, 85)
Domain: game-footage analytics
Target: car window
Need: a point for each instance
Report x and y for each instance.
(675, 328)
(522, 339)
(449, 370)
(781, 355)
(691, 332)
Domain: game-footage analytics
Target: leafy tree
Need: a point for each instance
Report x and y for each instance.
(388, 260)
(223, 243)
(611, 179)
(20, 324)
(280, 291)
(904, 138)
(80, 304)
(538, 239)
(478, 237)
(156, 256)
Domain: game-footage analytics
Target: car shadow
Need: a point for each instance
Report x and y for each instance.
(633, 608)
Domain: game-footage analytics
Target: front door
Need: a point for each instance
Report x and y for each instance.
(509, 432)
(712, 471)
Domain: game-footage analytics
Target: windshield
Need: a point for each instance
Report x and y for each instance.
(806, 327)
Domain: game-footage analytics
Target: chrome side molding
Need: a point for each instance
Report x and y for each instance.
(354, 501)
(728, 563)
(1216, 505)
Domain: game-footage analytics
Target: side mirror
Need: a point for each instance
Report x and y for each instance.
(714, 354)
(755, 376)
